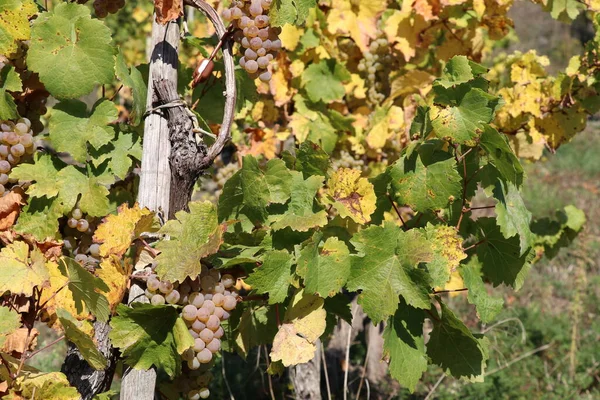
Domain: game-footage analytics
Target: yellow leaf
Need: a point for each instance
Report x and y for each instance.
(455, 282)
(479, 7)
(359, 21)
(351, 195)
(356, 87)
(303, 324)
(19, 273)
(404, 30)
(58, 296)
(115, 273)
(14, 24)
(560, 126)
(20, 340)
(385, 128)
(413, 81)
(290, 36)
(117, 232)
(279, 87)
(297, 67)
(528, 144)
(47, 385)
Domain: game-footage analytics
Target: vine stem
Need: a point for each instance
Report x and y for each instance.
(45, 347)
(397, 211)
(347, 358)
(474, 245)
(450, 290)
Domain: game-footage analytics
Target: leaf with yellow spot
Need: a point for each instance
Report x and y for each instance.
(448, 252)
(385, 122)
(117, 232)
(115, 271)
(356, 19)
(303, 324)
(351, 195)
(21, 271)
(14, 23)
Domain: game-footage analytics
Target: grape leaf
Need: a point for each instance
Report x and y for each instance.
(460, 69)
(47, 385)
(303, 324)
(134, 80)
(277, 177)
(10, 321)
(14, 23)
(487, 306)
(300, 215)
(257, 326)
(501, 258)
(119, 152)
(292, 12)
(423, 186)
(9, 81)
(454, 348)
(513, 217)
(351, 195)
(501, 155)
(21, 271)
(386, 268)
(325, 269)
(323, 81)
(193, 235)
(311, 159)
(465, 121)
(311, 122)
(72, 128)
(149, 336)
(43, 172)
(86, 289)
(403, 344)
(79, 338)
(115, 271)
(40, 218)
(117, 232)
(71, 52)
(273, 276)
(92, 193)
(446, 244)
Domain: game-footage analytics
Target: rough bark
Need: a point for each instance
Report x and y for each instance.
(306, 378)
(155, 178)
(81, 375)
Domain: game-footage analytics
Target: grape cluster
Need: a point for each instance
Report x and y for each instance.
(104, 7)
(78, 239)
(206, 300)
(346, 160)
(259, 41)
(372, 64)
(16, 142)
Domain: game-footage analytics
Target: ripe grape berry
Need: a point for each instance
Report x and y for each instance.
(257, 39)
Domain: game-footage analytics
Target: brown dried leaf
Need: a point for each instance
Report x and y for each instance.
(17, 341)
(10, 207)
(168, 10)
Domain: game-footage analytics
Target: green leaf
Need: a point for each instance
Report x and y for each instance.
(501, 156)
(501, 258)
(339, 305)
(193, 235)
(326, 268)
(453, 347)
(79, 338)
(487, 306)
(513, 217)
(403, 343)
(300, 215)
(278, 177)
(119, 152)
(274, 276)
(72, 127)
(134, 80)
(465, 121)
(257, 326)
(421, 124)
(91, 191)
(43, 173)
(323, 81)
(311, 159)
(86, 289)
(386, 267)
(9, 81)
(460, 70)
(10, 321)
(312, 122)
(292, 12)
(564, 10)
(149, 336)
(424, 187)
(40, 218)
(71, 52)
